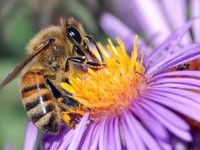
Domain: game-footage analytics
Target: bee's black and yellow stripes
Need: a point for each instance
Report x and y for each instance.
(39, 102)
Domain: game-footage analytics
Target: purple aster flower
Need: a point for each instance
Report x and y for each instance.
(133, 102)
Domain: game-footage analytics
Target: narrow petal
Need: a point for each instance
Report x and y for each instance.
(195, 11)
(165, 145)
(130, 120)
(131, 138)
(66, 140)
(180, 95)
(156, 128)
(171, 41)
(107, 21)
(175, 104)
(30, 136)
(178, 85)
(95, 139)
(52, 142)
(177, 131)
(142, 133)
(107, 135)
(78, 132)
(184, 81)
(110, 133)
(103, 135)
(168, 115)
(152, 22)
(175, 21)
(188, 73)
(88, 138)
(117, 136)
(192, 53)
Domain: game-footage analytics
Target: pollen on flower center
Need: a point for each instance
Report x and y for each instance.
(110, 89)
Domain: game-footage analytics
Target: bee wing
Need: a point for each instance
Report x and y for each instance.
(11, 76)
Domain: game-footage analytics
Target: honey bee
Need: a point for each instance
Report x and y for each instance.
(52, 55)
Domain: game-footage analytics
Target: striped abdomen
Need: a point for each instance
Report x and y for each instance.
(39, 102)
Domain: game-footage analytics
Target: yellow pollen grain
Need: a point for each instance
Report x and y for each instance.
(113, 87)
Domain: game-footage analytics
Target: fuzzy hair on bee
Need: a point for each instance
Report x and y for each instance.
(52, 55)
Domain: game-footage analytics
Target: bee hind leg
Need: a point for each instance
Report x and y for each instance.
(67, 120)
(72, 111)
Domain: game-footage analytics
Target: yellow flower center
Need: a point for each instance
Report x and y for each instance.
(107, 91)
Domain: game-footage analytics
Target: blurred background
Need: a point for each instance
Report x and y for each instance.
(19, 21)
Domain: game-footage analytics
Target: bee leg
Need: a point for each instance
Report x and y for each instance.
(68, 103)
(72, 110)
(75, 60)
(52, 88)
(67, 120)
(91, 39)
(94, 65)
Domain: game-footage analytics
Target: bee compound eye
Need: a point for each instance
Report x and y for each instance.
(73, 34)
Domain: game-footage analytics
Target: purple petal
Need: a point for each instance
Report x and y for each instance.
(30, 136)
(102, 141)
(176, 21)
(66, 140)
(132, 139)
(87, 141)
(168, 115)
(194, 74)
(195, 8)
(79, 132)
(117, 136)
(54, 141)
(171, 41)
(152, 22)
(109, 136)
(180, 95)
(184, 81)
(177, 131)
(180, 83)
(165, 146)
(115, 28)
(179, 105)
(133, 130)
(155, 128)
(179, 86)
(95, 139)
(141, 132)
(176, 59)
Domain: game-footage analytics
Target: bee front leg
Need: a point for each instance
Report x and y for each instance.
(78, 60)
(95, 65)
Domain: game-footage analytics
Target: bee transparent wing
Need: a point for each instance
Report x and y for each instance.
(11, 76)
